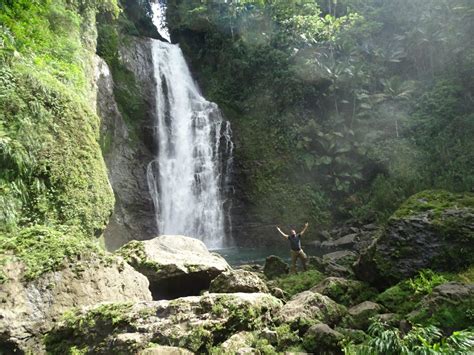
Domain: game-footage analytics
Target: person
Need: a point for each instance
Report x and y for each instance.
(295, 246)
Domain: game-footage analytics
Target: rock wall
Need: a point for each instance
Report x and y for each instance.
(127, 152)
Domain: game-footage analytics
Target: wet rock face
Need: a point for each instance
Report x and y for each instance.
(175, 265)
(422, 234)
(29, 309)
(126, 152)
(190, 322)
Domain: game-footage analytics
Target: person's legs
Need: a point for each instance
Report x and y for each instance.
(294, 257)
(304, 259)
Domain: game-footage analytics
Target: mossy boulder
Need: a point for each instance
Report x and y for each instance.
(360, 315)
(196, 323)
(238, 281)
(449, 306)
(344, 291)
(322, 339)
(275, 267)
(47, 272)
(308, 308)
(432, 229)
(175, 265)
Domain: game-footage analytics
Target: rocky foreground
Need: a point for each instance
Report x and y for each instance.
(170, 295)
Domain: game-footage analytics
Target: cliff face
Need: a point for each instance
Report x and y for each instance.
(126, 155)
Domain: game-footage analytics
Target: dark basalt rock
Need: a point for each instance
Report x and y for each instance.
(275, 267)
(435, 232)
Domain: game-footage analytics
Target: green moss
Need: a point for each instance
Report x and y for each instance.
(448, 315)
(76, 326)
(435, 201)
(466, 276)
(296, 283)
(42, 249)
(52, 169)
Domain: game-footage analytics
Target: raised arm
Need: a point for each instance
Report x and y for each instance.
(304, 228)
(283, 234)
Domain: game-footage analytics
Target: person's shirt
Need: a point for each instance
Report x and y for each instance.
(295, 241)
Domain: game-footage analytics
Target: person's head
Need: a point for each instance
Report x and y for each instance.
(293, 232)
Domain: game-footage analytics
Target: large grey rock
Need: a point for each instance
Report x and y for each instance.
(165, 350)
(432, 229)
(238, 341)
(275, 267)
(190, 322)
(175, 265)
(29, 309)
(322, 339)
(126, 155)
(342, 257)
(307, 308)
(238, 281)
(362, 313)
(345, 242)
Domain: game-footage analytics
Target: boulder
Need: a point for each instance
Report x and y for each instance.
(361, 314)
(241, 340)
(342, 257)
(308, 308)
(345, 242)
(432, 229)
(270, 335)
(275, 267)
(339, 263)
(165, 350)
(31, 308)
(175, 265)
(238, 281)
(449, 306)
(192, 322)
(315, 262)
(343, 291)
(322, 339)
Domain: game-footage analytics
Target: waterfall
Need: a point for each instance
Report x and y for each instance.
(189, 176)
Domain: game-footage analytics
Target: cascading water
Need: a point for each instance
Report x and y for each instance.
(190, 174)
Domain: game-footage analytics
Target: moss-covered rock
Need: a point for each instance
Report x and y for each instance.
(322, 339)
(275, 267)
(52, 168)
(308, 308)
(450, 307)
(48, 271)
(238, 281)
(296, 283)
(432, 229)
(343, 291)
(196, 323)
(360, 315)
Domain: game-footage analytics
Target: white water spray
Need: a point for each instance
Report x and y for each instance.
(188, 178)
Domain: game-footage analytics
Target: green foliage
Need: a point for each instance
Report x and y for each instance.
(405, 296)
(435, 201)
(296, 283)
(419, 340)
(52, 169)
(425, 282)
(363, 102)
(42, 249)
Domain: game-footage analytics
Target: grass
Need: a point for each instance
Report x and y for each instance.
(296, 283)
